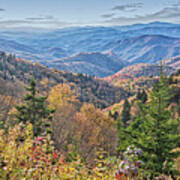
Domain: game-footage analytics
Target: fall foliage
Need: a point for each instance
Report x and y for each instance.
(87, 141)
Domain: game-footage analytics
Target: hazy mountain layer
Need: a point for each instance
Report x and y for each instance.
(82, 49)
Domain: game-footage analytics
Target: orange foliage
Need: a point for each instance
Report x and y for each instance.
(95, 130)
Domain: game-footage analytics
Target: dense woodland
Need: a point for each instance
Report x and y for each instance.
(15, 73)
(59, 125)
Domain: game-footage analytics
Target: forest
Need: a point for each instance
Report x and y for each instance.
(59, 125)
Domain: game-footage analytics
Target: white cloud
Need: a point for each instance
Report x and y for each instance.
(171, 13)
(128, 7)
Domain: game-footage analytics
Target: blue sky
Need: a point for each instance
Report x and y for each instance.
(65, 13)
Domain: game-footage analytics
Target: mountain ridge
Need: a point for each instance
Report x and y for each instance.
(139, 43)
(93, 63)
(16, 73)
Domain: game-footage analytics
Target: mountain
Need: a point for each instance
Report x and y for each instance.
(94, 64)
(138, 43)
(57, 52)
(140, 70)
(155, 24)
(13, 46)
(137, 76)
(15, 73)
(174, 62)
(147, 48)
(146, 70)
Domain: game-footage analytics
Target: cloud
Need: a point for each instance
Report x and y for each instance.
(107, 15)
(176, 4)
(33, 23)
(44, 21)
(2, 9)
(168, 13)
(41, 18)
(128, 7)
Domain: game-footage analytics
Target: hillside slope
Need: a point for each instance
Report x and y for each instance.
(94, 64)
(137, 76)
(15, 73)
(147, 48)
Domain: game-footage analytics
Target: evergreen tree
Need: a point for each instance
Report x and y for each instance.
(122, 136)
(2, 124)
(126, 116)
(34, 110)
(114, 115)
(155, 132)
(122, 125)
(142, 96)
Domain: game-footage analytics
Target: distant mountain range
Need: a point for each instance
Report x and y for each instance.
(140, 70)
(98, 51)
(147, 48)
(96, 64)
(174, 62)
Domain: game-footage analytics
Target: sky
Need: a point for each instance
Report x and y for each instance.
(67, 13)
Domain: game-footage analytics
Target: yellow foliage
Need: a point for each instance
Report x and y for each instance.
(22, 157)
(61, 94)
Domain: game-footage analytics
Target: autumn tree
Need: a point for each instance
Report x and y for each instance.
(96, 131)
(34, 110)
(6, 104)
(63, 99)
(61, 95)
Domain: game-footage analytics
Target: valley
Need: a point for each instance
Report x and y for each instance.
(97, 51)
(76, 102)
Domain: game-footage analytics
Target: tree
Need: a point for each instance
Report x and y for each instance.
(62, 94)
(142, 96)
(6, 104)
(64, 100)
(155, 132)
(122, 136)
(96, 130)
(122, 123)
(34, 110)
(114, 115)
(126, 116)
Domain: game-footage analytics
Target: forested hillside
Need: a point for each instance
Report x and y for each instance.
(89, 90)
(15, 73)
(94, 64)
(54, 135)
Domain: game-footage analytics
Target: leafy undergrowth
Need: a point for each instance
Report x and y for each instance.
(23, 157)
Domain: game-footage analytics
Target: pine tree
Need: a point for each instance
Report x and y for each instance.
(114, 115)
(138, 96)
(155, 132)
(34, 110)
(122, 125)
(142, 96)
(123, 139)
(126, 116)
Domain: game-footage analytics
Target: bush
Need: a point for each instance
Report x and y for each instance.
(23, 157)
